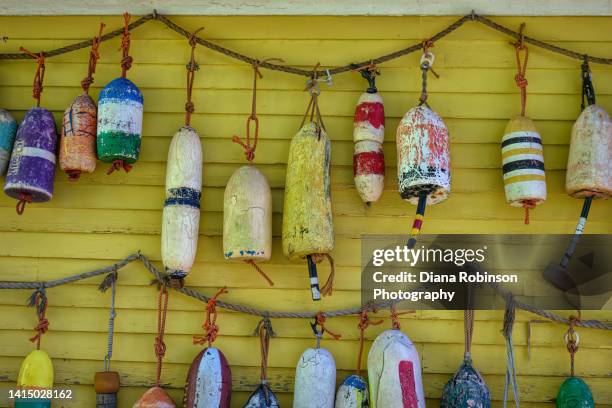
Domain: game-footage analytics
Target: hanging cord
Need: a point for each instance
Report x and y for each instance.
(126, 61)
(39, 76)
(509, 316)
(110, 281)
(313, 88)
(210, 323)
(192, 67)
(468, 317)
(38, 299)
(364, 323)
(259, 270)
(265, 332)
(319, 322)
(24, 198)
(160, 346)
(369, 72)
(395, 323)
(328, 287)
(94, 56)
(588, 92)
(571, 341)
(427, 60)
(520, 79)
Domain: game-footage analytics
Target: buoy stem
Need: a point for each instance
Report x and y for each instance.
(314, 278)
(418, 220)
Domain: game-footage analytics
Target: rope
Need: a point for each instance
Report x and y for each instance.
(160, 277)
(39, 76)
(328, 288)
(427, 60)
(320, 321)
(211, 329)
(192, 67)
(24, 198)
(160, 346)
(571, 340)
(468, 319)
(38, 299)
(258, 269)
(509, 316)
(126, 61)
(364, 323)
(265, 332)
(94, 56)
(520, 79)
(313, 88)
(395, 323)
(110, 281)
(588, 92)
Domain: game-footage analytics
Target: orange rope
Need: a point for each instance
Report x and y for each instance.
(24, 198)
(118, 165)
(528, 205)
(192, 67)
(395, 324)
(572, 342)
(160, 346)
(328, 287)
(37, 86)
(94, 56)
(364, 322)
(40, 303)
(126, 60)
(321, 323)
(258, 269)
(211, 329)
(520, 79)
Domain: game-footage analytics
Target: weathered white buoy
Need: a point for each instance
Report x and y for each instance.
(209, 382)
(315, 379)
(394, 372)
(352, 393)
(181, 217)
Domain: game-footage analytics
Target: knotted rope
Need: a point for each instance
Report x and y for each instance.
(468, 320)
(313, 88)
(126, 60)
(320, 322)
(265, 332)
(160, 346)
(38, 299)
(192, 67)
(588, 92)
(369, 72)
(94, 56)
(39, 76)
(328, 288)
(519, 78)
(509, 316)
(364, 323)
(571, 341)
(426, 63)
(210, 323)
(110, 281)
(24, 198)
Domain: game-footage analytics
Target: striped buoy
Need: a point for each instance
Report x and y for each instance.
(574, 393)
(315, 379)
(155, 397)
(352, 393)
(36, 373)
(394, 372)
(181, 215)
(209, 381)
(307, 215)
(32, 167)
(8, 129)
(368, 136)
(247, 216)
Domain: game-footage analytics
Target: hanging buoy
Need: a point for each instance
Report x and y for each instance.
(77, 152)
(368, 136)
(120, 107)
(521, 148)
(8, 129)
(181, 216)
(423, 157)
(263, 397)
(209, 382)
(352, 393)
(307, 216)
(394, 372)
(36, 373)
(154, 397)
(31, 171)
(467, 388)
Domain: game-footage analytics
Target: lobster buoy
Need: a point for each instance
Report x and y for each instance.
(368, 136)
(589, 164)
(262, 397)
(120, 107)
(106, 385)
(181, 216)
(574, 393)
(394, 372)
(352, 393)
(247, 216)
(8, 129)
(523, 164)
(307, 215)
(155, 397)
(78, 138)
(36, 373)
(209, 382)
(315, 379)
(32, 167)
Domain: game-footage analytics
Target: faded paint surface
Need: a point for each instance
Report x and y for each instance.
(155, 397)
(315, 380)
(78, 138)
(262, 397)
(589, 165)
(574, 393)
(247, 216)
(467, 388)
(352, 393)
(36, 373)
(181, 215)
(209, 382)
(307, 215)
(394, 372)
(8, 130)
(523, 163)
(423, 156)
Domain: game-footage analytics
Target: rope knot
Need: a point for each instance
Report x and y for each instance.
(37, 85)
(189, 107)
(118, 165)
(38, 299)
(320, 321)
(24, 198)
(520, 80)
(211, 329)
(126, 60)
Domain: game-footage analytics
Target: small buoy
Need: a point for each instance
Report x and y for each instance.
(352, 393)
(78, 138)
(36, 373)
(315, 379)
(155, 397)
(209, 382)
(467, 388)
(589, 164)
(120, 106)
(8, 129)
(394, 372)
(181, 216)
(106, 386)
(368, 136)
(247, 216)
(32, 167)
(574, 393)
(262, 397)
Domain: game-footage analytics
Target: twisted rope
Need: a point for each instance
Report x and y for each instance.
(110, 281)
(161, 277)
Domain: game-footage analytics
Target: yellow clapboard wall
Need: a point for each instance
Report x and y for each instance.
(103, 218)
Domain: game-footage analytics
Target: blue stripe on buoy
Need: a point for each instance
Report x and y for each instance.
(183, 196)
